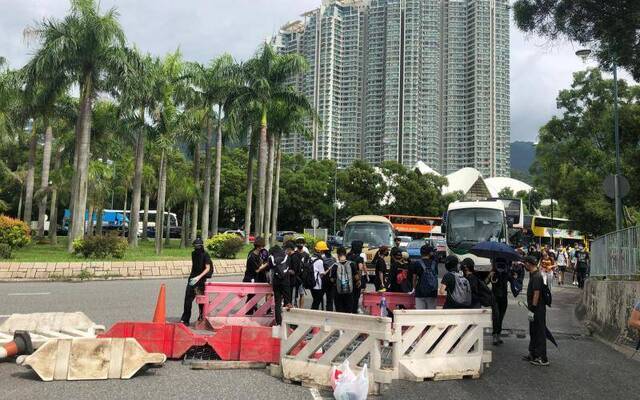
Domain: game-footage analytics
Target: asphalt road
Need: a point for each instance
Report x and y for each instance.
(582, 368)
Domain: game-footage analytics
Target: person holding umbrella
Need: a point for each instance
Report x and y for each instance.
(499, 284)
(537, 315)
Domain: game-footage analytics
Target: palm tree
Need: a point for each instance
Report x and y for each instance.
(82, 48)
(212, 85)
(266, 80)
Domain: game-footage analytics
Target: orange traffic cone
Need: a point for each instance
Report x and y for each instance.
(160, 314)
(21, 344)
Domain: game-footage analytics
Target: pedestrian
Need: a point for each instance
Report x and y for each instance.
(282, 277)
(256, 267)
(396, 245)
(382, 271)
(499, 280)
(424, 274)
(582, 264)
(454, 286)
(317, 292)
(537, 316)
(563, 262)
(299, 260)
(201, 269)
(355, 255)
(399, 273)
(346, 277)
(547, 266)
(468, 270)
(328, 286)
(634, 320)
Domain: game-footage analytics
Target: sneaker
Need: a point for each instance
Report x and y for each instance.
(539, 362)
(496, 339)
(528, 358)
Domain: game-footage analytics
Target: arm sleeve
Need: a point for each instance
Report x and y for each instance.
(318, 267)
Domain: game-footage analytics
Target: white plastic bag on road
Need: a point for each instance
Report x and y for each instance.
(348, 386)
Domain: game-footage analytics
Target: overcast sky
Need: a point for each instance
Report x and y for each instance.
(205, 28)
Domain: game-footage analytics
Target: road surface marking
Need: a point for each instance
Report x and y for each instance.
(29, 294)
(5, 315)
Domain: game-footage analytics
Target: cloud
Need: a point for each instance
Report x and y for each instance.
(203, 29)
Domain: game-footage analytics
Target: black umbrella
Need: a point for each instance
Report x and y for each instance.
(494, 250)
(547, 332)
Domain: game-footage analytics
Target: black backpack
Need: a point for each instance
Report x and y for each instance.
(307, 278)
(279, 266)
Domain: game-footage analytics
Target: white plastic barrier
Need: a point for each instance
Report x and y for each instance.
(440, 344)
(314, 341)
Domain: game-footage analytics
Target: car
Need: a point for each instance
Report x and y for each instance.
(280, 235)
(404, 241)
(334, 241)
(440, 244)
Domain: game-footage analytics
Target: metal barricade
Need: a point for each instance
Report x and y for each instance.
(228, 303)
(440, 344)
(616, 254)
(312, 342)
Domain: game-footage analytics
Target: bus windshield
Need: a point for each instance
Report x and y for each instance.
(466, 227)
(375, 234)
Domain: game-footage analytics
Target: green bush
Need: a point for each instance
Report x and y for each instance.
(5, 251)
(14, 232)
(108, 246)
(224, 245)
(309, 239)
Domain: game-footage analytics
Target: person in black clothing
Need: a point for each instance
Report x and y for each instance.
(537, 316)
(344, 301)
(354, 255)
(200, 266)
(582, 265)
(256, 267)
(399, 275)
(448, 283)
(499, 280)
(382, 271)
(468, 270)
(283, 277)
(298, 259)
(396, 246)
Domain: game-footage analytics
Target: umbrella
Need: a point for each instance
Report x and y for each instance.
(495, 250)
(547, 332)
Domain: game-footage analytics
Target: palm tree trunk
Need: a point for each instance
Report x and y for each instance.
(53, 217)
(216, 184)
(99, 221)
(134, 218)
(145, 217)
(124, 211)
(185, 224)
(167, 238)
(276, 193)
(196, 176)
(269, 189)
(44, 179)
(82, 169)
(247, 210)
(20, 201)
(29, 181)
(206, 191)
(262, 173)
(162, 181)
(90, 231)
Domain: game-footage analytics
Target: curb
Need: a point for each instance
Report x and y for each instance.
(97, 278)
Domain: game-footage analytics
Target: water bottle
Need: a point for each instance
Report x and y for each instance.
(383, 306)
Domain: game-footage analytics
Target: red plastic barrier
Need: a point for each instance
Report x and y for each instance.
(258, 345)
(226, 342)
(371, 301)
(172, 339)
(227, 303)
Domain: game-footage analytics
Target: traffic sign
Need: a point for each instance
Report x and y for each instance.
(315, 223)
(609, 186)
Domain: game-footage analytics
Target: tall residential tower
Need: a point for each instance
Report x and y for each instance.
(406, 80)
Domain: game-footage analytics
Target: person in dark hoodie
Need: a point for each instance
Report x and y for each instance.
(201, 265)
(355, 255)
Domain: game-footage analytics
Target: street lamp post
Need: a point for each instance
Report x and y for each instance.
(335, 198)
(584, 53)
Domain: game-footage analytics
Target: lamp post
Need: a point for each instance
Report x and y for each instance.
(335, 198)
(584, 54)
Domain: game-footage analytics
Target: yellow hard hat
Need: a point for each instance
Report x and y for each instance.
(321, 245)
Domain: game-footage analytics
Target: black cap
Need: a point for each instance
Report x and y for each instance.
(289, 245)
(198, 242)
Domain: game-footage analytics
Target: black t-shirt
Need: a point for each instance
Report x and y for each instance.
(416, 270)
(198, 260)
(582, 259)
(254, 262)
(297, 259)
(381, 267)
(535, 283)
(404, 286)
(449, 281)
(501, 284)
(474, 284)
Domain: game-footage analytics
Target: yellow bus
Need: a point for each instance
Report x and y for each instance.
(561, 230)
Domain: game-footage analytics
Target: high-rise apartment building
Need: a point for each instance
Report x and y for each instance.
(406, 80)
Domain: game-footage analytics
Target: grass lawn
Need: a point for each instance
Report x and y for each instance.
(145, 251)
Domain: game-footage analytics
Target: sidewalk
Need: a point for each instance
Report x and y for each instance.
(88, 270)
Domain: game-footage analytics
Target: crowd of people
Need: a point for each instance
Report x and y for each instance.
(557, 263)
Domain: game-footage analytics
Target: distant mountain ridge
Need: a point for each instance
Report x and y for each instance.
(522, 155)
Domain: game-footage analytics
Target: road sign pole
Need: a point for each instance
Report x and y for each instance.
(618, 198)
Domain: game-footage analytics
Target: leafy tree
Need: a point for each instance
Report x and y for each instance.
(506, 193)
(360, 190)
(610, 26)
(576, 150)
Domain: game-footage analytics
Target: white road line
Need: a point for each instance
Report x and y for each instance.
(5, 315)
(29, 294)
(315, 394)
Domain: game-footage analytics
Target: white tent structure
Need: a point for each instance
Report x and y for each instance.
(470, 182)
(497, 184)
(424, 168)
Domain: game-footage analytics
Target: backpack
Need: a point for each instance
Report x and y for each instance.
(462, 292)
(307, 278)
(280, 266)
(344, 277)
(428, 281)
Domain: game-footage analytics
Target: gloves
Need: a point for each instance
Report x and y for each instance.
(193, 281)
(531, 316)
(413, 292)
